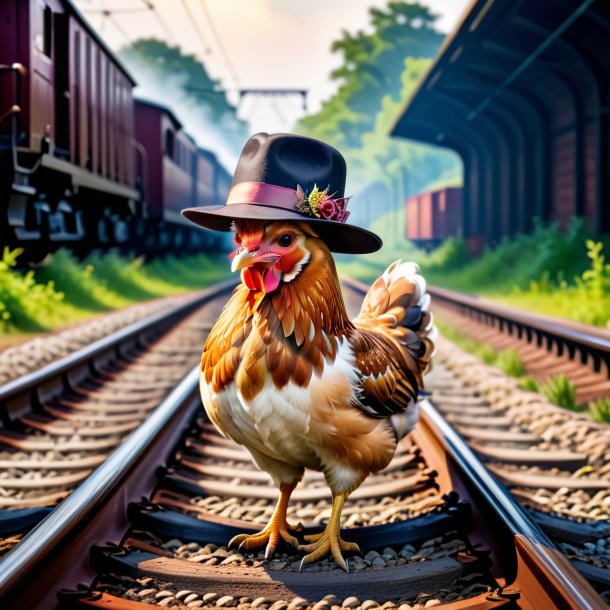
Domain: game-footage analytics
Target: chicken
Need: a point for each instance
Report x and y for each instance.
(287, 374)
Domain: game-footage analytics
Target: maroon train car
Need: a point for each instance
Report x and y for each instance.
(73, 170)
(175, 174)
(66, 128)
(433, 216)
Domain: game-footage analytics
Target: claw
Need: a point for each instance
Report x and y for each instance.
(276, 528)
(269, 550)
(239, 539)
(329, 541)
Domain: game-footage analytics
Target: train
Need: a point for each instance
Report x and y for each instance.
(434, 215)
(83, 163)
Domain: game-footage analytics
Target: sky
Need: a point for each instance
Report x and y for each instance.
(253, 43)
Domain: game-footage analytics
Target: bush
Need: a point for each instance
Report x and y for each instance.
(24, 303)
(65, 289)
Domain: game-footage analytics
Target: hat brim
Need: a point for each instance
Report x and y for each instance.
(339, 237)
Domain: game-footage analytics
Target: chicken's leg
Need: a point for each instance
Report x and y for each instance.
(274, 530)
(329, 540)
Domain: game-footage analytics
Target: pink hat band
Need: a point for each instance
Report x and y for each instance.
(261, 193)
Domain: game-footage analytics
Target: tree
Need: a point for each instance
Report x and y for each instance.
(381, 71)
(371, 69)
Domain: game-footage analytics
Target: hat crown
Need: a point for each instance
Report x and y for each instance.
(288, 160)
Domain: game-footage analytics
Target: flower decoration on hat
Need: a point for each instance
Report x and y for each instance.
(319, 204)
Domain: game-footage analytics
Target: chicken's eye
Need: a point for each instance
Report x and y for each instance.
(285, 240)
(237, 239)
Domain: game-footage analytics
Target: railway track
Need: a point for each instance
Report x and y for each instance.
(547, 346)
(555, 462)
(149, 526)
(62, 421)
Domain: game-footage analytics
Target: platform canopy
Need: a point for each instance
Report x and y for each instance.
(521, 91)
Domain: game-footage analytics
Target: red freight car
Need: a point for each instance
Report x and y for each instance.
(66, 128)
(433, 216)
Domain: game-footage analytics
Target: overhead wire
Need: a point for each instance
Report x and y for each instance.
(195, 24)
(117, 25)
(153, 8)
(219, 43)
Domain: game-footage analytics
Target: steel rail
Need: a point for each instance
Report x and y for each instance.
(84, 502)
(566, 334)
(16, 395)
(563, 581)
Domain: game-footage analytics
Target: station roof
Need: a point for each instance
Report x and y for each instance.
(491, 68)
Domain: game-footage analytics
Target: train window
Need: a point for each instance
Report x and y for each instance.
(47, 31)
(43, 41)
(169, 144)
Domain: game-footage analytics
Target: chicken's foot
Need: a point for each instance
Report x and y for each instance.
(274, 530)
(329, 541)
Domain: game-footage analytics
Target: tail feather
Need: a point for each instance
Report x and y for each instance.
(402, 423)
(397, 304)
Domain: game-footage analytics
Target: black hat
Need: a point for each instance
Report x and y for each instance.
(286, 177)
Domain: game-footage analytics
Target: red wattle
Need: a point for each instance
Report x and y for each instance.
(265, 279)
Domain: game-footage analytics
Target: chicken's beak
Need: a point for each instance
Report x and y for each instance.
(244, 258)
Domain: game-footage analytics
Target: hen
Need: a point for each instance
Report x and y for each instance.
(287, 374)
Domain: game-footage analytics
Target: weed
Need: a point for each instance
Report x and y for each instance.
(510, 362)
(599, 410)
(560, 391)
(529, 384)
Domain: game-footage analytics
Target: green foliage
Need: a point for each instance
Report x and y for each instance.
(529, 384)
(599, 410)
(371, 69)
(23, 301)
(483, 350)
(560, 391)
(381, 69)
(486, 353)
(558, 273)
(510, 362)
(451, 255)
(78, 280)
(65, 289)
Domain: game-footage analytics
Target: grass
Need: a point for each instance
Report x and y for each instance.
(599, 410)
(561, 391)
(510, 362)
(66, 290)
(559, 273)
